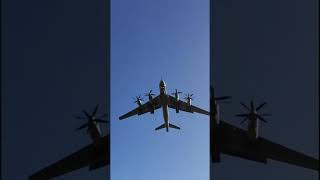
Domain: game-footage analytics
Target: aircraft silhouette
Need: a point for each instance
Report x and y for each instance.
(165, 101)
(231, 140)
(94, 155)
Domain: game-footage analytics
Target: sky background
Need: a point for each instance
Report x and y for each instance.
(53, 66)
(153, 39)
(268, 51)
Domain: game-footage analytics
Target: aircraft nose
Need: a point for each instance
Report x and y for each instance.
(162, 83)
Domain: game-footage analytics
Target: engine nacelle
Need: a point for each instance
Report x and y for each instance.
(177, 102)
(139, 103)
(253, 129)
(152, 108)
(189, 101)
(150, 97)
(176, 96)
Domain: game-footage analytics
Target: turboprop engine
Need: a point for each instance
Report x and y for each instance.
(150, 94)
(189, 99)
(176, 96)
(139, 100)
(253, 118)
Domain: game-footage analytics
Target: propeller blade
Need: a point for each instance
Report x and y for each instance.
(188, 97)
(83, 126)
(244, 120)
(95, 110)
(86, 113)
(241, 115)
(138, 98)
(262, 119)
(177, 92)
(150, 93)
(222, 98)
(260, 106)
(245, 106)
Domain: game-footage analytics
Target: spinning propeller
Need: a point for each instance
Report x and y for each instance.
(188, 97)
(138, 99)
(149, 94)
(253, 112)
(177, 92)
(91, 118)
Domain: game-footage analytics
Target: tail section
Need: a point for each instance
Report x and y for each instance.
(160, 127)
(173, 126)
(164, 126)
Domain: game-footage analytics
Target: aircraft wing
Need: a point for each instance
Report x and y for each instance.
(147, 107)
(280, 153)
(183, 106)
(70, 163)
(234, 141)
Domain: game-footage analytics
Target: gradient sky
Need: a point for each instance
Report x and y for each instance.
(153, 39)
(268, 51)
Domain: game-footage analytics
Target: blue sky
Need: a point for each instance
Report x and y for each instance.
(150, 40)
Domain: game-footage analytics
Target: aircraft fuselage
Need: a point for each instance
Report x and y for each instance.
(164, 103)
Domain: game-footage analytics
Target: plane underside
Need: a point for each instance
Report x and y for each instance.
(164, 101)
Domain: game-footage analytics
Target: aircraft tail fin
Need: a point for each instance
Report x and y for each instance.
(164, 125)
(160, 127)
(174, 126)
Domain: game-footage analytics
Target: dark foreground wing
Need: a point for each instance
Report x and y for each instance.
(234, 141)
(70, 163)
(278, 152)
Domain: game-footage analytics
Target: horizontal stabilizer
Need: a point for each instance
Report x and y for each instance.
(173, 126)
(160, 127)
